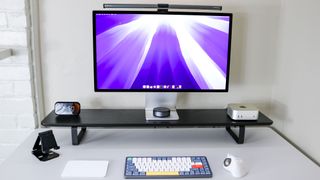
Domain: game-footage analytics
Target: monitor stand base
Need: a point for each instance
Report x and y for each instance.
(173, 116)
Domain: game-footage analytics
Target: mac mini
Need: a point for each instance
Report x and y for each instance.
(242, 112)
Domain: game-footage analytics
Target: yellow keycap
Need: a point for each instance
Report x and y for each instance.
(162, 173)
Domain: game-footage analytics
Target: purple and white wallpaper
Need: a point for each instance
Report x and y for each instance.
(187, 52)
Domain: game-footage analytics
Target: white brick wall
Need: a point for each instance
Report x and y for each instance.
(6, 89)
(20, 58)
(17, 114)
(7, 122)
(3, 20)
(26, 121)
(13, 38)
(22, 88)
(16, 20)
(14, 73)
(12, 5)
(16, 105)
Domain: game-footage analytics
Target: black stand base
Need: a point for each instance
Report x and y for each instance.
(76, 138)
(45, 156)
(239, 139)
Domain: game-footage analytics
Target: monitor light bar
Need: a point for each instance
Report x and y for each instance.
(162, 6)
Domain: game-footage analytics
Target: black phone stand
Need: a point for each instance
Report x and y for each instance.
(43, 144)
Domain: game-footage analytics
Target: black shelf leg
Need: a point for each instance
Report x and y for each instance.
(76, 138)
(239, 139)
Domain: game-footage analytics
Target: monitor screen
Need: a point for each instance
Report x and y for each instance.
(151, 51)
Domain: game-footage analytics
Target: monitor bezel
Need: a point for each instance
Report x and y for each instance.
(96, 89)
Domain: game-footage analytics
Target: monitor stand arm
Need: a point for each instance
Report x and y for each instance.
(76, 138)
(168, 100)
(240, 138)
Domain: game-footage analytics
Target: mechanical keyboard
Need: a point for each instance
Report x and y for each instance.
(138, 167)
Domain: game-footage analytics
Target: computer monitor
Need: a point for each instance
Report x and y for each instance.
(143, 51)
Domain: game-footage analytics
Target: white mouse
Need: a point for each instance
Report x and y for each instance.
(235, 166)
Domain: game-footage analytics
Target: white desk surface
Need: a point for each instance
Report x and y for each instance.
(269, 157)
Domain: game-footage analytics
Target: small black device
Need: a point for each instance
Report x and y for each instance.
(41, 149)
(161, 112)
(67, 108)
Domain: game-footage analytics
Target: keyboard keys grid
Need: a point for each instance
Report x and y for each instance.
(167, 167)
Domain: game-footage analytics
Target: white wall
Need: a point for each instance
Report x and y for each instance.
(296, 89)
(16, 99)
(67, 64)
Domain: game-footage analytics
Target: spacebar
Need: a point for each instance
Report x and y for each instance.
(162, 173)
